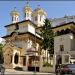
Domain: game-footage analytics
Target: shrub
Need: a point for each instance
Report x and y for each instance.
(47, 64)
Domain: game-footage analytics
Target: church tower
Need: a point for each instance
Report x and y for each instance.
(15, 15)
(39, 16)
(27, 12)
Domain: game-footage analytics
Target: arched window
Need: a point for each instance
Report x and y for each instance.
(25, 15)
(40, 18)
(16, 58)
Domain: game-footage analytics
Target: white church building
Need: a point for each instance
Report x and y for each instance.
(23, 44)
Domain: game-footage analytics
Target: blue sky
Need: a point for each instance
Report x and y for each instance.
(54, 9)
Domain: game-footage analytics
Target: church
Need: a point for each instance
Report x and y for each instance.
(23, 43)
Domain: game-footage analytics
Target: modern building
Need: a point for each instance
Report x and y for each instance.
(64, 43)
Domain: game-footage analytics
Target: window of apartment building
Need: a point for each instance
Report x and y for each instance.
(66, 58)
(61, 47)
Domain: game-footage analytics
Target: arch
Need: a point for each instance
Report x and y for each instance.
(58, 59)
(16, 58)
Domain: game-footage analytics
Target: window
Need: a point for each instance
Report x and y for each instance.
(16, 27)
(61, 47)
(40, 18)
(25, 15)
(36, 18)
(66, 58)
(12, 18)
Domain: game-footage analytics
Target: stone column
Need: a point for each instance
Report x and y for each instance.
(40, 63)
(26, 67)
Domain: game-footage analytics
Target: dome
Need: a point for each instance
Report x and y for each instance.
(14, 12)
(40, 11)
(27, 8)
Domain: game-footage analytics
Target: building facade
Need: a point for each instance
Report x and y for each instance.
(23, 44)
(64, 43)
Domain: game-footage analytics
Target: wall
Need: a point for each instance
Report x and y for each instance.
(10, 29)
(62, 40)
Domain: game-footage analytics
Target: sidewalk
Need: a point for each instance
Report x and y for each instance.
(14, 72)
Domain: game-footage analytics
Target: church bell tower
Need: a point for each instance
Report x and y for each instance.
(15, 15)
(27, 12)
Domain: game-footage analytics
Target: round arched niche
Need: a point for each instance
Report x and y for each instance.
(16, 58)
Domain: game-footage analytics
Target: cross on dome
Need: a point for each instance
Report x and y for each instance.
(14, 8)
(27, 3)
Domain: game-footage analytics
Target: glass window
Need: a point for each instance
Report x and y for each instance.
(16, 26)
(66, 58)
(61, 47)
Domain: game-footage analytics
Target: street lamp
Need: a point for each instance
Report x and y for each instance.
(35, 55)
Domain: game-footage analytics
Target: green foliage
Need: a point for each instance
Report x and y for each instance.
(1, 54)
(48, 37)
(46, 64)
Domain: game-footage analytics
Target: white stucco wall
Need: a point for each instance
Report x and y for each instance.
(10, 29)
(23, 27)
(31, 29)
(62, 40)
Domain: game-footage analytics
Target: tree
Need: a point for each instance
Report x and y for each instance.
(1, 54)
(48, 37)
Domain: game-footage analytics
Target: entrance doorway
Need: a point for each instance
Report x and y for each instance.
(58, 59)
(31, 64)
(16, 58)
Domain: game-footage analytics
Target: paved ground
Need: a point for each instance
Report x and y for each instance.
(13, 72)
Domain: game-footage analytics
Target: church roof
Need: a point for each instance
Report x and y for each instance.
(22, 22)
(27, 8)
(21, 33)
(14, 12)
(39, 10)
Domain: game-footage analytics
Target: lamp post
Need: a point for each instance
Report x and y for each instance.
(35, 55)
